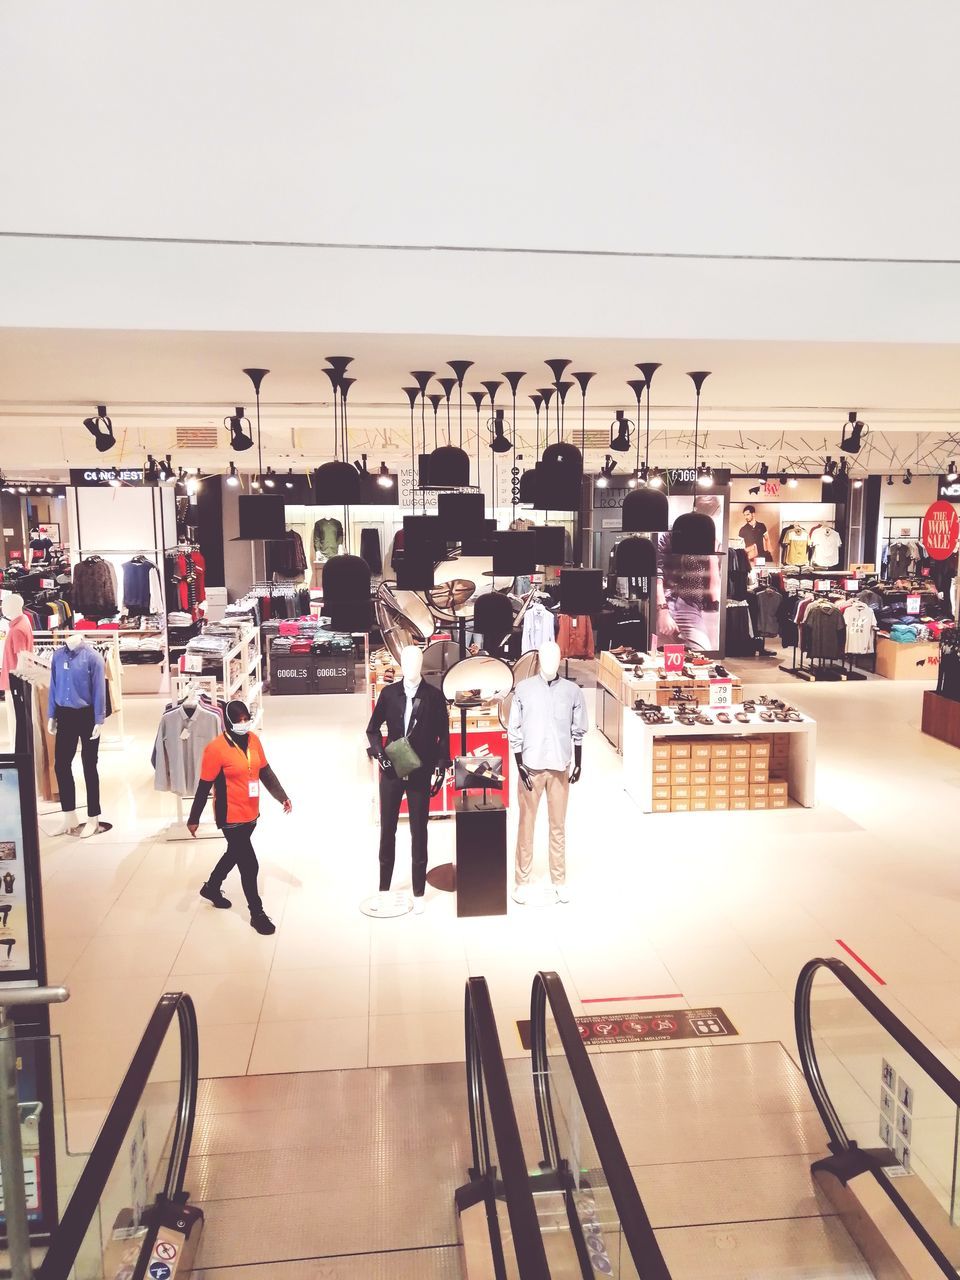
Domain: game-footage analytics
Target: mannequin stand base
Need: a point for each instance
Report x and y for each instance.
(95, 827)
(443, 877)
(385, 906)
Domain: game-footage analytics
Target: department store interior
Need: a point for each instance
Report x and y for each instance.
(475, 806)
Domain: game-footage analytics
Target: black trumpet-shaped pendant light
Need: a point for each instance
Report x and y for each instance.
(337, 482)
(513, 379)
(528, 481)
(448, 384)
(421, 377)
(637, 385)
(460, 368)
(557, 368)
(583, 379)
(694, 533)
(435, 398)
(411, 394)
(478, 398)
(645, 509)
(562, 389)
(257, 376)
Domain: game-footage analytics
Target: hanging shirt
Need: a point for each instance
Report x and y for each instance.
(77, 679)
(537, 627)
(182, 738)
(860, 622)
(327, 537)
(547, 720)
(794, 544)
(19, 637)
(825, 542)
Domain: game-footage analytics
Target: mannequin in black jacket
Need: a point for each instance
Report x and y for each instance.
(414, 709)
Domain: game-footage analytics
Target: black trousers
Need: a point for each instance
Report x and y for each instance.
(74, 726)
(239, 853)
(417, 788)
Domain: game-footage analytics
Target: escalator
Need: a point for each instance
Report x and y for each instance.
(563, 1182)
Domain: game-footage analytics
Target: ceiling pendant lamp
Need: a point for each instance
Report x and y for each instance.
(645, 508)
(698, 378)
(528, 481)
(583, 379)
(513, 378)
(435, 397)
(257, 376)
(637, 385)
(635, 557)
(337, 483)
(493, 385)
(693, 534)
(478, 398)
(460, 368)
(557, 368)
(449, 465)
(562, 389)
(421, 377)
(411, 394)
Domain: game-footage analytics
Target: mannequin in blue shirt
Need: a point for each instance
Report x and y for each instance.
(77, 692)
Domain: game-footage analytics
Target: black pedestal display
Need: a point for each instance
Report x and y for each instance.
(481, 856)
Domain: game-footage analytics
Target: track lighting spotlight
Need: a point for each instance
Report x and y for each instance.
(239, 439)
(764, 472)
(288, 482)
(792, 482)
(908, 476)
(21, 488)
(499, 442)
(606, 471)
(620, 432)
(270, 479)
(255, 482)
(858, 484)
(167, 473)
(113, 482)
(384, 478)
(655, 478)
(850, 443)
(704, 476)
(101, 428)
(151, 472)
(829, 470)
(889, 480)
(233, 479)
(952, 472)
(782, 478)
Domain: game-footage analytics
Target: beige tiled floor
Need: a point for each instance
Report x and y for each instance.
(704, 908)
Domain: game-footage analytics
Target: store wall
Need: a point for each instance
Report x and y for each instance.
(720, 134)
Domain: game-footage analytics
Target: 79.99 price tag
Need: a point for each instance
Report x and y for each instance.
(721, 693)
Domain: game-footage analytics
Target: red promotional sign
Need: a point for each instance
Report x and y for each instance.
(673, 657)
(941, 530)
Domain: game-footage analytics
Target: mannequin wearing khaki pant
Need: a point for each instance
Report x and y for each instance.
(556, 784)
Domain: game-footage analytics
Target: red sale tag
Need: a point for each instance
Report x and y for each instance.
(673, 657)
(823, 584)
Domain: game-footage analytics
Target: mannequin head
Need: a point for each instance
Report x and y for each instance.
(74, 642)
(549, 655)
(411, 663)
(12, 606)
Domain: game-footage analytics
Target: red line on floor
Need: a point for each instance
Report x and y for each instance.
(862, 963)
(672, 995)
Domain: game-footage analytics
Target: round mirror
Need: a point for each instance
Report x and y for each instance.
(477, 679)
(397, 629)
(438, 658)
(453, 599)
(413, 605)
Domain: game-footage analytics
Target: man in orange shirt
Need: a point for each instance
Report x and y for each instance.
(233, 767)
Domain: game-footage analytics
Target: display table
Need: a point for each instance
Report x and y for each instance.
(919, 661)
(798, 763)
(619, 688)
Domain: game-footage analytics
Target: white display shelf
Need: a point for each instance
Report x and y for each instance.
(638, 739)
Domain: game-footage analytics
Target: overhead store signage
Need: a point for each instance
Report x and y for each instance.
(91, 477)
(948, 490)
(941, 530)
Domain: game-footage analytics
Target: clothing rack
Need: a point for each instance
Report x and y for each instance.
(108, 646)
(190, 687)
(826, 668)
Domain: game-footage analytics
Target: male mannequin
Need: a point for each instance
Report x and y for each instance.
(76, 709)
(413, 709)
(548, 718)
(19, 636)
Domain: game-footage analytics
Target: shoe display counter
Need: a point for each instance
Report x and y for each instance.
(896, 661)
(621, 683)
(675, 767)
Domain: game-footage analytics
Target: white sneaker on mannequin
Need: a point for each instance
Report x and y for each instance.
(563, 893)
(419, 906)
(90, 828)
(520, 894)
(70, 822)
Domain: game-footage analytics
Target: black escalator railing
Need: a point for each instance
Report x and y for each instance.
(849, 1047)
(499, 1170)
(553, 1019)
(81, 1212)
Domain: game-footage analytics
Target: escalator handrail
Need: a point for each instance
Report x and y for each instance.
(928, 1062)
(68, 1237)
(487, 1074)
(548, 990)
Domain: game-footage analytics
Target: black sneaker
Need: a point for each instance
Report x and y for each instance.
(262, 923)
(215, 895)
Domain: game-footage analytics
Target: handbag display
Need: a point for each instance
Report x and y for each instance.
(403, 757)
(473, 773)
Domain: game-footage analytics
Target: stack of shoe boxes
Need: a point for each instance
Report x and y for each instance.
(712, 774)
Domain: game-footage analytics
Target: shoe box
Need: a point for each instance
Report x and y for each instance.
(715, 774)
